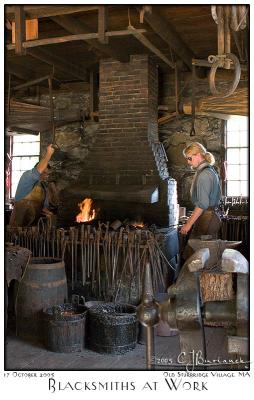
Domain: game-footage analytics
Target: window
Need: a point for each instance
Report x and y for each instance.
(237, 150)
(25, 154)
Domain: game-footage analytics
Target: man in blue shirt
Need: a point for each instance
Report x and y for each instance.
(31, 197)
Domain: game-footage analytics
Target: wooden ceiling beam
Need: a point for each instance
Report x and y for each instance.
(55, 40)
(71, 38)
(18, 129)
(59, 63)
(27, 75)
(93, 94)
(48, 11)
(162, 28)
(76, 27)
(32, 82)
(102, 24)
(142, 39)
(68, 23)
(20, 30)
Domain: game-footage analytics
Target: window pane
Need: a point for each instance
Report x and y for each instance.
(18, 149)
(21, 149)
(16, 180)
(244, 155)
(233, 139)
(15, 163)
(233, 188)
(237, 156)
(13, 189)
(23, 163)
(33, 161)
(244, 172)
(26, 138)
(34, 148)
(244, 138)
(233, 172)
(28, 163)
(244, 188)
(237, 123)
(233, 156)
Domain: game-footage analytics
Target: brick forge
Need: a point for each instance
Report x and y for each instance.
(126, 171)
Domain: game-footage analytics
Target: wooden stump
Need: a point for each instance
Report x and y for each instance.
(216, 286)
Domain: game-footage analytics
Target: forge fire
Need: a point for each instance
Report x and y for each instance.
(87, 213)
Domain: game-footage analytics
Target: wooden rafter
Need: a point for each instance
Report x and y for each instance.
(72, 25)
(76, 27)
(163, 28)
(93, 94)
(20, 30)
(32, 82)
(72, 38)
(150, 46)
(48, 11)
(102, 24)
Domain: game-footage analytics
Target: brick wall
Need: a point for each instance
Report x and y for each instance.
(127, 115)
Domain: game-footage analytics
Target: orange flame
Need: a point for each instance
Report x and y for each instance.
(86, 214)
(138, 224)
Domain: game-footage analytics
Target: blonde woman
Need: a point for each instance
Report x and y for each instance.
(205, 193)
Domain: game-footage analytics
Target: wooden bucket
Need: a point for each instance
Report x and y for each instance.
(64, 327)
(43, 285)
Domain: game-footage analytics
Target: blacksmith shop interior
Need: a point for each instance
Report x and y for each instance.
(126, 187)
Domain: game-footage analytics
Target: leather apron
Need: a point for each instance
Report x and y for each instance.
(209, 223)
(27, 211)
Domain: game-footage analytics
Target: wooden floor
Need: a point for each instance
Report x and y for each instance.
(22, 355)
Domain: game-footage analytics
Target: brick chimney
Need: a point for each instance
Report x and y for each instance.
(126, 170)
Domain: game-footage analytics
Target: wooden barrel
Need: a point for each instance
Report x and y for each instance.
(64, 327)
(43, 285)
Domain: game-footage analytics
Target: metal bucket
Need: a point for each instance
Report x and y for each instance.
(113, 328)
(43, 285)
(64, 328)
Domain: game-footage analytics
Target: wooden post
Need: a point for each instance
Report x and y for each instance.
(102, 24)
(93, 94)
(20, 29)
(221, 43)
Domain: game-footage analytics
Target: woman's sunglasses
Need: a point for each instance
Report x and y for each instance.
(191, 157)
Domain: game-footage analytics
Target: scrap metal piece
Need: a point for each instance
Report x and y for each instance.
(234, 261)
(238, 345)
(16, 258)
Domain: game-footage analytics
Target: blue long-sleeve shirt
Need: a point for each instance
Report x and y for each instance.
(206, 190)
(29, 179)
